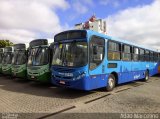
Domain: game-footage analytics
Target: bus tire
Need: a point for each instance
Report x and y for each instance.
(111, 82)
(146, 78)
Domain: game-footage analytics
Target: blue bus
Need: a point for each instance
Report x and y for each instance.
(87, 60)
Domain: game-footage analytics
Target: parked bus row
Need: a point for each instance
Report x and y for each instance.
(27, 61)
(80, 59)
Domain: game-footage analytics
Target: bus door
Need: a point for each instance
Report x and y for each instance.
(126, 71)
(96, 61)
(136, 64)
(126, 63)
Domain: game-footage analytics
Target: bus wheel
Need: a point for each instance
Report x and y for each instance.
(111, 82)
(146, 78)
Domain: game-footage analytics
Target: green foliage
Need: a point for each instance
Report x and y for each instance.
(4, 43)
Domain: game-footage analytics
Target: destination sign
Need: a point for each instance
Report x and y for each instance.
(19, 47)
(8, 49)
(38, 42)
(70, 35)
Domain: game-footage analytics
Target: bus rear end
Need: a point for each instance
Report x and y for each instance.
(7, 61)
(19, 68)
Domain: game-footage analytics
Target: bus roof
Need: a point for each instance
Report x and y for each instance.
(38, 42)
(21, 46)
(90, 32)
(119, 40)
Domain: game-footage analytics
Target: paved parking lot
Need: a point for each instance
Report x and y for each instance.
(47, 101)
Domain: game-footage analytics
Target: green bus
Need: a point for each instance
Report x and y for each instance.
(1, 58)
(7, 61)
(39, 60)
(19, 61)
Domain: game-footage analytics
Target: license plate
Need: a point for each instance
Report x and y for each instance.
(62, 82)
(32, 77)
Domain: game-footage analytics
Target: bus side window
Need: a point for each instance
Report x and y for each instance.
(146, 55)
(155, 57)
(114, 50)
(142, 55)
(126, 54)
(97, 51)
(135, 54)
(151, 56)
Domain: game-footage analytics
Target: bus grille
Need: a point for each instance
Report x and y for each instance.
(64, 70)
(62, 77)
(34, 68)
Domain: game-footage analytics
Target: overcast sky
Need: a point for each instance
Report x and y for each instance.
(135, 20)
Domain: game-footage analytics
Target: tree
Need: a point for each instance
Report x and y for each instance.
(4, 43)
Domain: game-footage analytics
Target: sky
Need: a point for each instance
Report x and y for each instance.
(137, 21)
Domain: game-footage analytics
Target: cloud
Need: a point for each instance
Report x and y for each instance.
(115, 3)
(26, 18)
(17, 35)
(88, 2)
(140, 25)
(53, 3)
(104, 2)
(79, 7)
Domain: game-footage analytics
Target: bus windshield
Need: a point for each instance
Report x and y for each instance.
(7, 58)
(38, 56)
(72, 54)
(19, 57)
(1, 57)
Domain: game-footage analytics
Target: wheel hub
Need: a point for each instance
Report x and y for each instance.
(111, 82)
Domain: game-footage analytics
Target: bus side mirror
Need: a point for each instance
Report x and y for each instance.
(95, 50)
